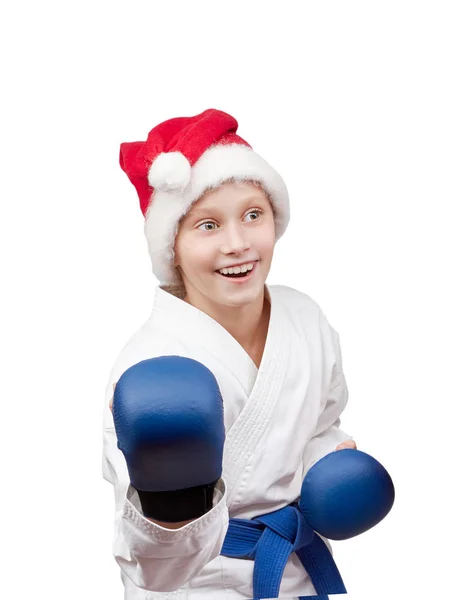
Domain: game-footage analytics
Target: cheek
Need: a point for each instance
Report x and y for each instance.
(196, 256)
(267, 243)
(267, 233)
(184, 249)
(206, 259)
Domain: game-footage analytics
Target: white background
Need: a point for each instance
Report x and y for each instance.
(360, 107)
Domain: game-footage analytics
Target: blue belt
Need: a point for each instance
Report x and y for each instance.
(270, 540)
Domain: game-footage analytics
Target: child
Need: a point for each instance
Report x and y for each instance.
(210, 203)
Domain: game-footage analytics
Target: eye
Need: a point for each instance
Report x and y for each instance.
(257, 211)
(206, 223)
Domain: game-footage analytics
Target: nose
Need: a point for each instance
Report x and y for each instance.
(236, 241)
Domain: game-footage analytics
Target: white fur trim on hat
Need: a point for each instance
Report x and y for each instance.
(216, 165)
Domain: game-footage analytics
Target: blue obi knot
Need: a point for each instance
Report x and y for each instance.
(270, 539)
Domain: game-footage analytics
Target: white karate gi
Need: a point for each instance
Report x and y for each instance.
(279, 419)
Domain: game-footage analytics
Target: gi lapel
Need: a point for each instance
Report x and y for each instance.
(192, 324)
(254, 420)
(262, 386)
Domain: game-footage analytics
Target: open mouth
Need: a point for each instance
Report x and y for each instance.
(240, 276)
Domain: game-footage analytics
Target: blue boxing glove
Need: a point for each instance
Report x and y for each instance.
(346, 493)
(169, 422)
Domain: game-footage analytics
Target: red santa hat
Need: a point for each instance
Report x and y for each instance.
(181, 159)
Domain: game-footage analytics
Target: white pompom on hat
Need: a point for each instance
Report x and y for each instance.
(181, 159)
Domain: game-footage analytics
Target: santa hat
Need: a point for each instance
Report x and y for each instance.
(181, 159)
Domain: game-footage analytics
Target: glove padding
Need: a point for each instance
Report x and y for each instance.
(346, 493)
(169, 422)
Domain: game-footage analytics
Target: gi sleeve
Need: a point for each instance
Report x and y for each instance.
(154, 558)
(328, 433)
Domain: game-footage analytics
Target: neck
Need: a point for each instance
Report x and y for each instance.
(244, 323)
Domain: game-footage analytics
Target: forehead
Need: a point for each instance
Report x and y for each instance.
(227, 197)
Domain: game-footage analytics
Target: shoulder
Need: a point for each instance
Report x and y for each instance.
(307, 311)
(295, 299)
(148, 341)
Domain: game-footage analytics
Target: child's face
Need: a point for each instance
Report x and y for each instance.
(229, 225)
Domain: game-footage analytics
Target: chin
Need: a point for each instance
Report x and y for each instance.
(239, 296)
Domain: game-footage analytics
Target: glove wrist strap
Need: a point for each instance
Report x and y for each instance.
(178, 505)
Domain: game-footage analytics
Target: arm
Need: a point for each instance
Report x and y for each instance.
(154, 557)
(328, 434)
(161, 523)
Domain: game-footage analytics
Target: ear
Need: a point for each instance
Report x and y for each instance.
(175, 259)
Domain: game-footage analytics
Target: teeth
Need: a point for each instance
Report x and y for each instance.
(236, 270)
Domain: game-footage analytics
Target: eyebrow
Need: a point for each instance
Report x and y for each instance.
(205, 210)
